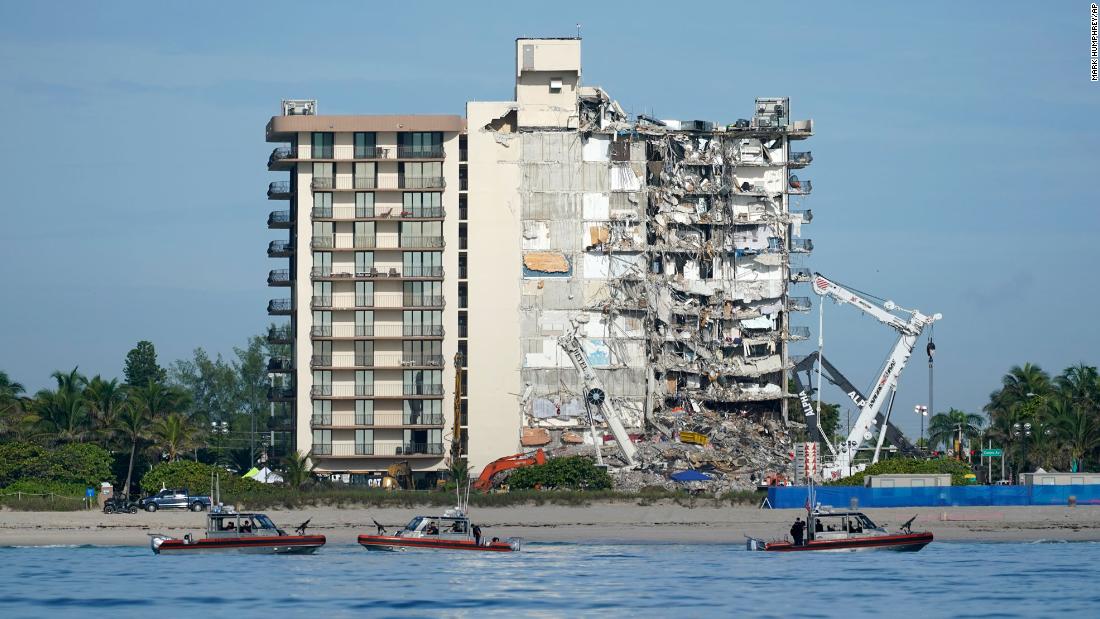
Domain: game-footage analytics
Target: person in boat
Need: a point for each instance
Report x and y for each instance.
(230, 526)
(431, 529)
(246, 526)
(477, 535)
(797, 530)
(818, 527)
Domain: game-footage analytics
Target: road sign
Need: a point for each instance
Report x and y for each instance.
(992, 453)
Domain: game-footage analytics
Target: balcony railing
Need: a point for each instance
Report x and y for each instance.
(396, 420)
(372, 330)
(377, 212)
(280, 393)
(342, 391)
(420, 152)
(278, 190)
(394, 300)
(320, 182)
(799, 187)
(806, 215)
(376, 273)
(280, 153)
(798, 333)
(280, 335)
(378, 449)
(279, 306)
(801, 274)
(370, 152)
(278, 277)
(802, 246)
(386, 360)
(422, 182)
(278, 219)
(368, 183)
(377, 241)
(801, 158)
(279, 364)
(799, 304)
(279, 249)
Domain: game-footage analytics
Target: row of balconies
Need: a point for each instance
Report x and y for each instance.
(285, 155)
(359, 450)
(373, 273)
(376, 420)
(375, 331)
(371, 183)
(376, 241)
(377, 360)
(374, 213)
(280, 335)
(383, 300)
(370, 390)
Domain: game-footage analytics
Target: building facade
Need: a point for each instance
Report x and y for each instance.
(669, 247)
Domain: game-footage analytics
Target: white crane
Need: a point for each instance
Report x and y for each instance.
(908, 333)
(594, 391)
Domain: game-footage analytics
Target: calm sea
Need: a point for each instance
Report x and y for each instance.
(556, 580)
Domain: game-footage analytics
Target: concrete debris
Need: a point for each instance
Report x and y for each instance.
(547, 262)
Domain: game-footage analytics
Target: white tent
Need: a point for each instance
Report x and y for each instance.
(264, 476)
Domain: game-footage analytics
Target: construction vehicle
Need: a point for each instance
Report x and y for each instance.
(833, 375)
(398, 476)
(596, 395)
(909, 330)
(484, 481)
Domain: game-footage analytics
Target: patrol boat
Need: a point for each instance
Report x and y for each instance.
(230, 531)
(847, 531)
(451, 531)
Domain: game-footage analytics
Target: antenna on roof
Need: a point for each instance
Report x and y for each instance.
(578, 30)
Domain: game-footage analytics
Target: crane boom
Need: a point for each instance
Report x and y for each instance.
(595, 393)
(908, 333)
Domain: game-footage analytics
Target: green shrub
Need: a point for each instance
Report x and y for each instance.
(19, 460)
(78, 463)
(38, 486)
(196, 477)
(897, 466)
(576, 473)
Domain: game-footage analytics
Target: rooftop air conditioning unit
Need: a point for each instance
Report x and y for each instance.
(299, 107)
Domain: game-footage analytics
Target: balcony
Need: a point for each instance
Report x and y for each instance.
(373, 273)
(385, 183)
(280, 365)
(378, 213)
(377, 420)
(377, 241)
(278, 219)
(359, 450)
(278, 277)
(280, 394)
(280, 335)
(420, 152)
(377, 360)
(805, 215)
(802, 246)
(279, 190)
(800, 129)
(800, 159)
(376, 331)
(384, 300)
(277, 160)
(798, 334)
(801, 274)
(279, 307)
(797, 187)
(280, 249)
(799, 304)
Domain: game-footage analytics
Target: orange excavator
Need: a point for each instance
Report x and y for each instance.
(484, 482)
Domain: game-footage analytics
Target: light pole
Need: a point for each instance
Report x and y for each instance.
(219, 429)
(1021, 431)
(922, 410)
(931, 350)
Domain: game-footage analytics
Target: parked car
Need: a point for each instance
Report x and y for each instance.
(174, 498)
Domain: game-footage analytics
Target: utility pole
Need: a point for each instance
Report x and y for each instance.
(931, 350)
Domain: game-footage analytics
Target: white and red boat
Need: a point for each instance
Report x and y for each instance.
(846, 531)
(231, 531)
(451, 531)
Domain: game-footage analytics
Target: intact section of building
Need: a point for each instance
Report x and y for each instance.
(669, 247)
(370, 275)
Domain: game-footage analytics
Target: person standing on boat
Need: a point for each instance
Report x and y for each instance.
(477, 535)
(797, 530)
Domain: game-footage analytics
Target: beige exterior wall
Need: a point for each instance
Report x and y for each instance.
(548, 74)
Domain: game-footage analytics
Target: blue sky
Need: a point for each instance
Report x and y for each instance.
(955, 160)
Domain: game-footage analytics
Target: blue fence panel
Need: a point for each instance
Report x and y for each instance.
(841, 497)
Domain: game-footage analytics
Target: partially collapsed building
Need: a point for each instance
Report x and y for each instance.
(669, 246)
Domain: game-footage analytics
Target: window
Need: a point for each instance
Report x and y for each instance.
(364, 442)
(426, 175)
(422, 264)
(322, 294)
(418, 204)
(364, 385)
(423, 293)
(364, 323)
(364, 352)
(364, 262)
(419, 323)
(420, 144)
(422, 412)
(364, 204)
(366, 176)
(364, 412)
(322, 412)
(463, 294)
(322, 442)
(421, 233)
(322, 145)
(364, 294)
(322, 323)
(322, 204)
(322, 263)
(324, 176)
(463, 324)
(462, 261)
(365, 145)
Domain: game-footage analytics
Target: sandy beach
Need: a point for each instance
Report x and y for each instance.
(612, 522)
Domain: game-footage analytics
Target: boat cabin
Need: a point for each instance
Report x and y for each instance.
(826, 525)
(453, 524)
(234, 524)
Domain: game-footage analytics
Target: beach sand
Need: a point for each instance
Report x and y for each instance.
(610, 522)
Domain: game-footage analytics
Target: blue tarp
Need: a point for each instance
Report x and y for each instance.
(690, 476)
(791, 497)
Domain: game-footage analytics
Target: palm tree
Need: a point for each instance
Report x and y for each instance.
(104, 399)
(134, 425)
(297, 469)
(147, 404)
(175, 434)
(1077, 428)
(1080, 384)
(62, 413)
(11, 405)
(1019, 388)
(943, 428)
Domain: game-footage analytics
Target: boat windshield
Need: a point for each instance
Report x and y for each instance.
(263, 522)
(414, 523)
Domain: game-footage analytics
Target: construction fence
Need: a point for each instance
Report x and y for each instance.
(845, 497)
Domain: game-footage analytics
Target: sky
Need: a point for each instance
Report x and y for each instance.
(955, 157)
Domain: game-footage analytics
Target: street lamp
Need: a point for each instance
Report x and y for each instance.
(219, 429)
(921, 410)
(1022, 431)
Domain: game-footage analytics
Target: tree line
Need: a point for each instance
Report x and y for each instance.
(200, 408)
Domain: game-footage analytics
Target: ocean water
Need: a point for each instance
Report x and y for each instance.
(557, 580)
